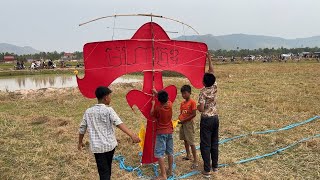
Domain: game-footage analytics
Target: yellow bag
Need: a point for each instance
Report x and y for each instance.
(175, 123)
(142, 134)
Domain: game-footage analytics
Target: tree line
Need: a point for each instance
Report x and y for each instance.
(41, 55)
(220, 52)
(262, 52)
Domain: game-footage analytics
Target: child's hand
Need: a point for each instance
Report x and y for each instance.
(80, 146)
(154, 91)
(180, 122)
(135, 138)
(208, 55)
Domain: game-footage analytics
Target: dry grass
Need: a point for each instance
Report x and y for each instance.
(39, 130)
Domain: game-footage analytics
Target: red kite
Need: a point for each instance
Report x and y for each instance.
(149, 50)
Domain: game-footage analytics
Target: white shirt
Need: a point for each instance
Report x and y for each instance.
(99, 121)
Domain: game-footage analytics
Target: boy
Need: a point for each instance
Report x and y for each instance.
(188, 110)
(164, 129)
(99, 120)
(209, 125)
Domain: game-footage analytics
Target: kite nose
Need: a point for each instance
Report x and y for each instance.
(149, 30)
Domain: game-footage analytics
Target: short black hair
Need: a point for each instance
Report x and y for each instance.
(209, 79)
(186, 88)
(163, 96)
(102, 91)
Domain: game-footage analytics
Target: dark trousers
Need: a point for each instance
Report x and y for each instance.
(209, 141)
(104, 162)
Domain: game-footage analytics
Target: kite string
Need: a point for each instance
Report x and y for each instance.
(158, 41)
(190, 49)
(184, 33)
(91, 52)
(174, 66)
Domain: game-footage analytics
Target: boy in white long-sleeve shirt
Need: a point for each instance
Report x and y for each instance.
(99, 121)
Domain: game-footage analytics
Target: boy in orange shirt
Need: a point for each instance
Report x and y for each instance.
(188, 110)
(164, 129)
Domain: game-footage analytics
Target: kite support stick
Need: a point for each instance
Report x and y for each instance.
(114, 24)
(147, 15)
(152, 34)
(153, 58)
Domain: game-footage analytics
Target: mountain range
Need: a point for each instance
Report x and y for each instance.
(245, 41)
(4, 47)
(228, 42)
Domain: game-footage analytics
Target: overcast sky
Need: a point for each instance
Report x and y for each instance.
(49, 25)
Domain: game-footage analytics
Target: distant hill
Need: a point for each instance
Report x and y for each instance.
(228, 42)
(244, 41)
(4, 47)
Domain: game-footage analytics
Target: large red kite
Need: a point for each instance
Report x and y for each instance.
(150, 50)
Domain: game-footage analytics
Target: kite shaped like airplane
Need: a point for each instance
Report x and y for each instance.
(151, 51)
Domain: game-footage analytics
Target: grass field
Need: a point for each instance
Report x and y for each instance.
(39, 130)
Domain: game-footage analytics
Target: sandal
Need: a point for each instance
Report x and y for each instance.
(186, 158)
(158, 178)
(169, 174)
(194, 166)
(206, 174)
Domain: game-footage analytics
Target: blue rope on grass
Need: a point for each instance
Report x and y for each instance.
(278, 150)
(155, 170)
(222, 141)
(195, 172)
(121, 160)
(122, 165)
(138, 170)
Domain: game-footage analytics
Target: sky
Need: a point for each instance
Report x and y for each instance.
(49, 25)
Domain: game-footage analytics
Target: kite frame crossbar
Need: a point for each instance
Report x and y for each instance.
(145, 15)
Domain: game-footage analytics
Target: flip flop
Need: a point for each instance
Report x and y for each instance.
(194, 166)
(206, 174)
(168, 174)
(158, 178)
(186, 158)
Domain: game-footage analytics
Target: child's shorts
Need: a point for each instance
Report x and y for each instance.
(164, 145)
(187, 132)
